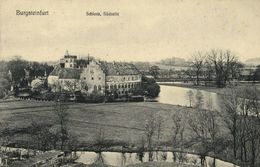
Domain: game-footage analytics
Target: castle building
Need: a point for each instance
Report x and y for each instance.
(97, 76)
(69, 61)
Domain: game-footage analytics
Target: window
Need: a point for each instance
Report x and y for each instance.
(99, 78)
(85, 78)
(115, 86)
(66, 61)
(92, 78)
(99, 87)
(86, 87)
(70, 65)
(95, 87)
(111, 87)
(119, 86)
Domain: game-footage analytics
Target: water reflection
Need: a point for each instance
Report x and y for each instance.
(178, 96)
(123, 159)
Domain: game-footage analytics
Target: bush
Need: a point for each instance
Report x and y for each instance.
(2, 92)
(150, 87)
(4, 86)
(153, 90)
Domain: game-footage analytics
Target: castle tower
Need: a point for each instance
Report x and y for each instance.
(69, 61)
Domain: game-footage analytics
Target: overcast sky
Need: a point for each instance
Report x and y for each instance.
(145, 31)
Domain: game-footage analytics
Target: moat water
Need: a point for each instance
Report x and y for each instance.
(124, 159)
(178, 96)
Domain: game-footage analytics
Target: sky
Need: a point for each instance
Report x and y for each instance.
(147, 30)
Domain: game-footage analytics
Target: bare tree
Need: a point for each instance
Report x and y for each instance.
(150, 128)
(178, 127)
(159, 128)
(159, 121)
(197, 64)
(212, 127)
(226, 65)
(241, 115)
(204, 124)
(249, 125)
(100, 143)
(62, 117)
(208, 72)
(72, 86)
(190, 96)
(230, 115)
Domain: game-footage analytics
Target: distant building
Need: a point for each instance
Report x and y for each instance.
(97, 76)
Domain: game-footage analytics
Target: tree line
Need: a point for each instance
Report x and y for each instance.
(216, 67)
(221, 66)
(230, 132)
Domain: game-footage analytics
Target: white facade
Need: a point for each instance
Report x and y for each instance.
(123, 84)
(93, 78)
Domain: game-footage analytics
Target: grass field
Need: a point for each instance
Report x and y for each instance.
(122, 123)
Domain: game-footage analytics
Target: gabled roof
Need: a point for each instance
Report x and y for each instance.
(66, 73)
(117, 68)
(110, 69)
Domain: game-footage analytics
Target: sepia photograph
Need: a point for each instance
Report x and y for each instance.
(133, 83)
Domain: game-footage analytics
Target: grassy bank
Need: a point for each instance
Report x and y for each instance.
(213, 89)
(123, 124)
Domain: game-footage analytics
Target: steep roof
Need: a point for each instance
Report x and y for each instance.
(118, 68)
(66, 73)
(110, 69)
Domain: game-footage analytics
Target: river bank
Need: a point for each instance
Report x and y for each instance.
(122, 124)
(212, 89)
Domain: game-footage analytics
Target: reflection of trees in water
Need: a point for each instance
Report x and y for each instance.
(140, 156)
(161, 156)
(129, 159)
(164, 156)
(123, 159)
(180, 157)
(100, 159)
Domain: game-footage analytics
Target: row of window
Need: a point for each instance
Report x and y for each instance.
(130, 85)
(99, 87)
(111, 87)
(125, 92)
(92, 78)
(124, 78)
